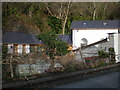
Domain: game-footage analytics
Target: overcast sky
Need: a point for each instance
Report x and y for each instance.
(95, 35)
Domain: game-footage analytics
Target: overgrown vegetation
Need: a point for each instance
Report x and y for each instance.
(110, 54)
(103, 54)
(53, 47)
(55, 16)
(4, 51)
(41, 18)
(55, 24)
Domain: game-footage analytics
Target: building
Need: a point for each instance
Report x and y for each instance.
(67, 39)
(92, 49)
(26, 43)
(96, 25)
(111, 42)
(20, 42)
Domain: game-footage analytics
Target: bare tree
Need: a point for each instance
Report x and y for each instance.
(65, 19)
(60, 11)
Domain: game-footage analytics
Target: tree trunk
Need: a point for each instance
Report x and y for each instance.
(65, 20)
(63, 26)
(60, 11)
(30, 14)
(46, 5)
(11, 68)
(94, 12)
(104, 10)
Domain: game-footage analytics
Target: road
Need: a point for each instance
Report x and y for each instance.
(101, 79)
(109, 80)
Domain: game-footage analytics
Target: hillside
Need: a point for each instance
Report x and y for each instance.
(35, 18)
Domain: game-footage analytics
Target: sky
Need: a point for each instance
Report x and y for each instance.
(95, 35)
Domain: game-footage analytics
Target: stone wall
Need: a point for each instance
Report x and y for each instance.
(106, 45)
(90, 51)
(31, 69)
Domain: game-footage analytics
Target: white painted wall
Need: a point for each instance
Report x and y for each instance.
(91, 35)
(27, 48)
(117, 47)
(20, 48)
(10, 48)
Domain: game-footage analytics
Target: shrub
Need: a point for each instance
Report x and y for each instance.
(103, 54)
(70, 64)
(4, 51)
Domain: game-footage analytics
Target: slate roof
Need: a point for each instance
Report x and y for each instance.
(19, 38)
(23, 38)
(65, 38)
(99, 24)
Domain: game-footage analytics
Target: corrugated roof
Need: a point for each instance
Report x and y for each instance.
(19, 38)
(100, 24)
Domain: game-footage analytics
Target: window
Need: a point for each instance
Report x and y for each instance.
(27, 48)
(84, 23)
(10, 48)
(105, 23)
(20, 47)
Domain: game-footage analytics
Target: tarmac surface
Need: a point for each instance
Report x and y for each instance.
(102, 79)
(109, 80)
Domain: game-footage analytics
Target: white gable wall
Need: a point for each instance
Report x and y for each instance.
(76, 39)
(77, 35)
(91, 35)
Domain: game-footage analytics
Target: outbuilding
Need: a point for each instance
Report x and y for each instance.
(19, 43)
(92, 29)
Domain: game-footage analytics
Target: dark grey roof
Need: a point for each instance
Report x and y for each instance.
(95, 24)
(24, 38)
(65, 38)
(19, 38)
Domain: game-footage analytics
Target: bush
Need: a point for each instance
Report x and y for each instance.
(103, 54)
(4, 51)
(112, 53)
(70, 64)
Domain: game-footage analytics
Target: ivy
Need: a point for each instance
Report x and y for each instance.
(55, 24)
(4, 51)
(103, 54)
